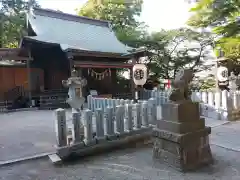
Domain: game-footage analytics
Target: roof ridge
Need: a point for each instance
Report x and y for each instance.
(69, 17)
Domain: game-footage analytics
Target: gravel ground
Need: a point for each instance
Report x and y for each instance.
(129, 164)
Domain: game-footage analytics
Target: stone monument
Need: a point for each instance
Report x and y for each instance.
(181, 138)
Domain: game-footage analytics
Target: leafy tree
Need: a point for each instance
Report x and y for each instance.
(172, 51)
(14, 20)
(168, 47)
(122, 15)
(224, 17)
(207, 83)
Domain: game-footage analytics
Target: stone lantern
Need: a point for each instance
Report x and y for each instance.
(75, 86)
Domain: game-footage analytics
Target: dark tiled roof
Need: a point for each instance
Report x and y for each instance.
(74, 32)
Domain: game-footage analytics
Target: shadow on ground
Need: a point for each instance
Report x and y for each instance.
(131, 164)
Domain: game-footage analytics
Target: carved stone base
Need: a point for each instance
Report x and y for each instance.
(181, 156)
(181, 137)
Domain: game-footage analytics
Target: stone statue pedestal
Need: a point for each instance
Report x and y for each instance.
(181, 139)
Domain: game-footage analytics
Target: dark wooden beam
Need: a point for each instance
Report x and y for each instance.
(76, 53)
(18, 54)
(93, 64)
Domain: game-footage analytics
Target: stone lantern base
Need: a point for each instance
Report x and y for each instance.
(181, 139)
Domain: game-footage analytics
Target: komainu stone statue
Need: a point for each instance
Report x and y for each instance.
(180, 85)
(181, 138)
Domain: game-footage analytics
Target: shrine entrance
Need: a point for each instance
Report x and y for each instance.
(103, 78)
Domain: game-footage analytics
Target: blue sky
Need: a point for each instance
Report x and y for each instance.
(157, 14)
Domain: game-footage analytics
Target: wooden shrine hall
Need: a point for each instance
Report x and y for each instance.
(58, 42)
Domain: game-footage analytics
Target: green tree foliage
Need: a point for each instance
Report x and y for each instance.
(13, 20)
(207, 83)
(122, 14)
(169, 47)
(224, 17)
(175, 49)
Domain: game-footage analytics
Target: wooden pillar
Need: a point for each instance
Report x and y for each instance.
(29, 76)
(113, 79)
(71, 64)
(133, 86)
(1, 30)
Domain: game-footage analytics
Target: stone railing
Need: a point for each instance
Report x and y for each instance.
(104, 127)
(221, 105)
(53, 101)
(94, 103)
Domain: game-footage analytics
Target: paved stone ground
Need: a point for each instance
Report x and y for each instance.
(25, 134)
(227, 136)
(129, 164)
(29, 133)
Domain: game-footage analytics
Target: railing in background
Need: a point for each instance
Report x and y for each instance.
(94, 103)
(53, 99)
(123, 96)
(14, 93)
(221, 105)
(10, 96)
(4, 105)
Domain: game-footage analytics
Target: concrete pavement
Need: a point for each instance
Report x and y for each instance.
(128, 164)
(25, 134)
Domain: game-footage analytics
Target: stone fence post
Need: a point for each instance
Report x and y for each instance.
(144, 114)
(129, 117)
(120, 119)
(61, 127)
(152, 110)
(109, 123)
(76, 130)
(88, 131)
(99, 120)
(137, 116)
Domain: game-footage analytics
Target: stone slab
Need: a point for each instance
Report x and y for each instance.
(176, 148)
(83, 150)
(185, 111)
(55, 159)
(190, 159)
(181, 138)
(181, 127)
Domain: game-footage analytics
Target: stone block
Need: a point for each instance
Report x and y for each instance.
(101, 139)
(185, 158)
(76, 147)
(181, 127)
(112, 137)
(181, 112)
(90, 142)
(55, 159)
(178, 148)
(181, 138)
(63, 152)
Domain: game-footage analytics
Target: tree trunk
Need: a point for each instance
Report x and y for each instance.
(1, 30)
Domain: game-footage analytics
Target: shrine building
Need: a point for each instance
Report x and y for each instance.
(57, 43)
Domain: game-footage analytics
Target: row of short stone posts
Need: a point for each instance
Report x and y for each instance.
(128, 118)
(103, 103)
